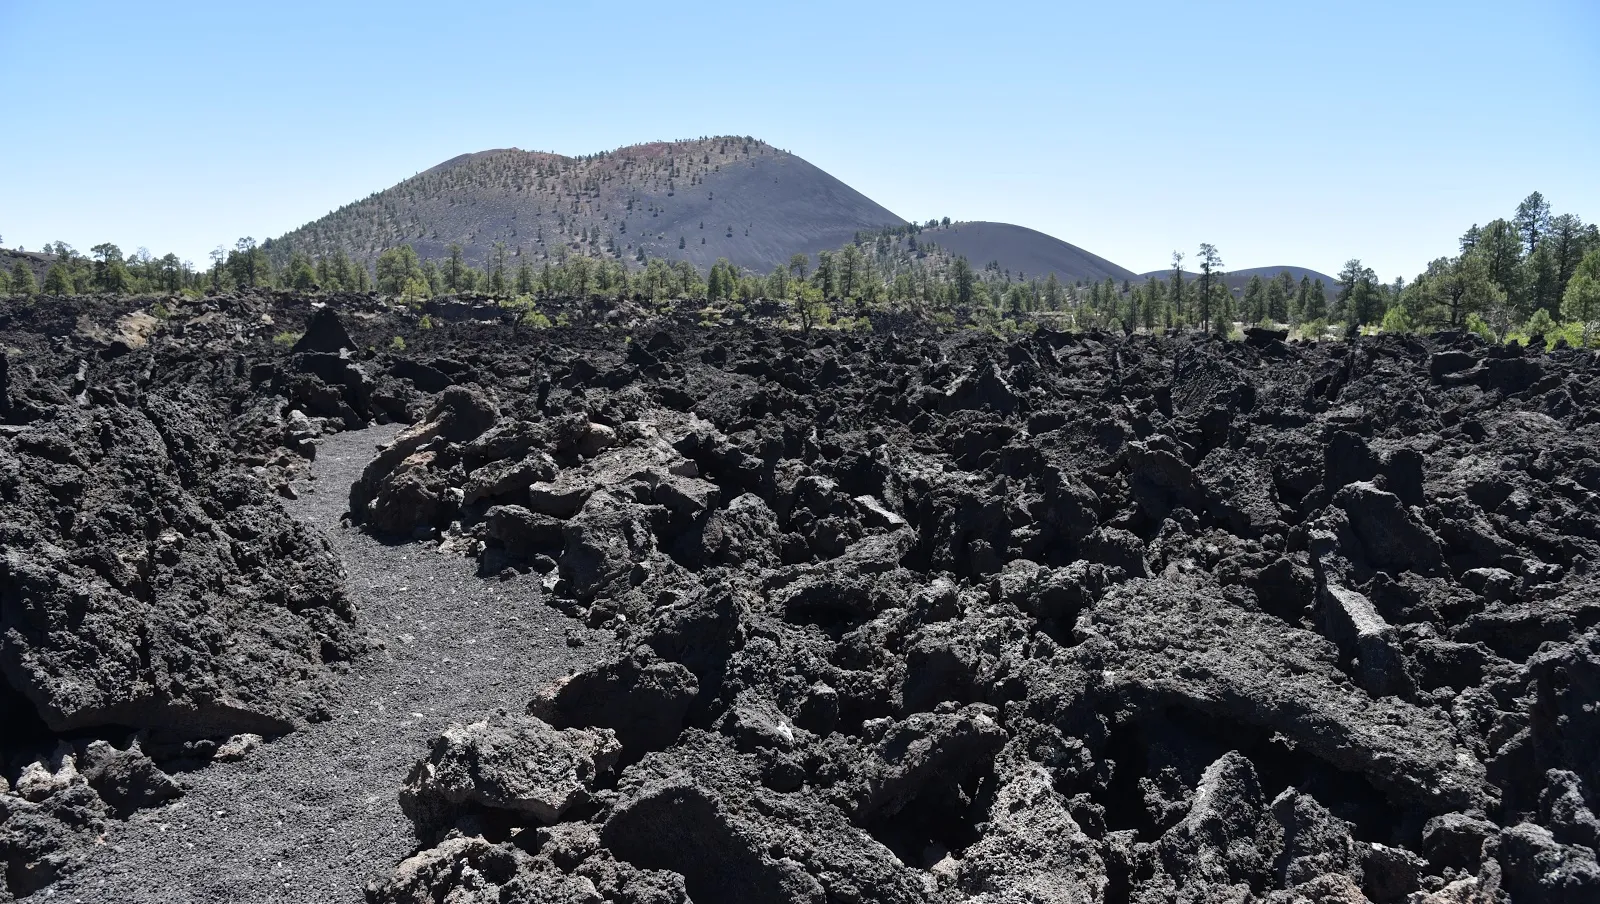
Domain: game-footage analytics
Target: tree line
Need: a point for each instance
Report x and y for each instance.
(106, 269)
(1535, 273)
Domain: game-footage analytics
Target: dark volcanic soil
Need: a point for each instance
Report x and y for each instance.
(310, 816)
(899, 616)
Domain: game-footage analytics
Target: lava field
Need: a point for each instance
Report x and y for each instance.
(897, 615)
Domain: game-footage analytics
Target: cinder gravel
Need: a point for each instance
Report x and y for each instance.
(309, 817)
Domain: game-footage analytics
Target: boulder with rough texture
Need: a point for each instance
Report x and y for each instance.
(508, 477)
(325, 333)
(698, 811)
(1160, 644)
(1034, 851)
(639, 696)
(1351, 621)
(415, 480)
(1391, 537)
(145, 583)
(125, 779)
(50, 824)
(513, 763)
(470, 870)
(1539, 869)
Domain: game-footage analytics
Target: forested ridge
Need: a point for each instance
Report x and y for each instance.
(1532, 273)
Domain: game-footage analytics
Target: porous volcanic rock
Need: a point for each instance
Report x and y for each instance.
(908, 615)
(148, 583)
(1064, 618)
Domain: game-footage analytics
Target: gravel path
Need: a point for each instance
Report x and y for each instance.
(313, 815)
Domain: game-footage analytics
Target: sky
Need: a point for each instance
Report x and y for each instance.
(1282, 133)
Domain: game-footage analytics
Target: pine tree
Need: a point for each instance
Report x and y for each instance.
(1285, 280)
(1532, 220)
(110, 272)
(1359, 301)
(962, 277)
(1538, 279)
(721, 281)
(1349, 277)
(1054, 294)
(1175, 292)
(247, 263)
(347, 274)
(1315, 304)
(400, 273)
(1155, 292)
(22, 280)
(1366, 302)
(58, 281)
(1567, 243)
(827, 276)
(1277, 301)
(454, 268)
(1134, 301)
(1462, 286)
(1222, 308)
(498, 281)
(1500, 247)
(852, 271)
(301, 275)
(1297, 302)
(1582, 300)
(1210, 265)
(1255, 300)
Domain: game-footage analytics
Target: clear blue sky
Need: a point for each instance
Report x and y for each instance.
(1280, 133)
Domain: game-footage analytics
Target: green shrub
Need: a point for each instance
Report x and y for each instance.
(286, 339)
(1476, 324)
(1314, 329)
(1540, 324)
(1396, 321)
(427, 322)
(1572, 331)
(397, 344)
(160, 311)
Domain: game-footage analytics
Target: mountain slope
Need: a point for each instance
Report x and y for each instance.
(1236, 280)
(1023, 251)
(719, 197)
(33, 260)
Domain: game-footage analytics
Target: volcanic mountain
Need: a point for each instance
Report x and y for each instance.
(698, 200)
(1236, 280)
(1025, 252)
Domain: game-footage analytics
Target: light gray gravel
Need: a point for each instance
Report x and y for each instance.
(311, 816)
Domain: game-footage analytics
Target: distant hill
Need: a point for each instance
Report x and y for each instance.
(1237, 279)
(34, 260)
(1023, 251)
(729, 197)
